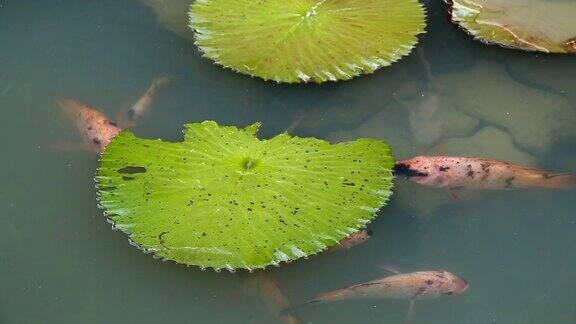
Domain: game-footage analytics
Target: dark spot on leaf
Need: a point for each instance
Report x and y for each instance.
(132, 169)
(161, 237)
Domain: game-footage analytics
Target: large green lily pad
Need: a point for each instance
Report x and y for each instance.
(223, 198)
(306, 40)
(533, 25)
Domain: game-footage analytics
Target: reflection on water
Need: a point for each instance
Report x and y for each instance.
(61, 263)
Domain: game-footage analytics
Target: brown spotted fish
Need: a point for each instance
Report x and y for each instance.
(415, 285)
(477, 173)
(96, 129)
(352, 240)
(409, 286)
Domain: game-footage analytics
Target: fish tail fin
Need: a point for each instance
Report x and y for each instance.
(560, 181)
(329, 296)
(160, 82)
(289, 315)
(133, 114)
(276, 299)
(322, 298)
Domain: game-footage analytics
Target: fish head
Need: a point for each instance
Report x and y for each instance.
(423, 170)
(353, 239)
(451, 284)
(96, 129)
(361, 235)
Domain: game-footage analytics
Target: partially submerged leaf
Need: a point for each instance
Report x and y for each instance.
(533, 25)
(306, 40)
(222, 198)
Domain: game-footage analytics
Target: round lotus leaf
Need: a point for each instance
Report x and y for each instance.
(223, 198)
(532, 25)
(306, 40)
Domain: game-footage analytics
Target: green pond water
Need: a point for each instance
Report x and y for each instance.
(60, 261)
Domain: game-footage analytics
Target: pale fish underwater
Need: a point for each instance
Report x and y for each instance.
(410, 286)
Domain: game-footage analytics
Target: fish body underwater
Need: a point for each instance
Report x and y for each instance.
(96, 129)
(138, 110)
(275, 298)
(477, 173)
(410, 286)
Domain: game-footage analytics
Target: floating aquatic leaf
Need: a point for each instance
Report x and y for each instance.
(533, 25)
(222, 198)
(306, 40)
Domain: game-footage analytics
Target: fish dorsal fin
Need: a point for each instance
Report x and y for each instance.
(512, 166)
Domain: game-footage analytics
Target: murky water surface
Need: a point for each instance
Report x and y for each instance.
(61, 263)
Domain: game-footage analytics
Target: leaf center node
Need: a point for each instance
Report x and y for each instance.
(248, 164)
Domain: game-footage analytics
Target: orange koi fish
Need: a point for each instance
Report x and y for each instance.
(96, 129)
(477, 173)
